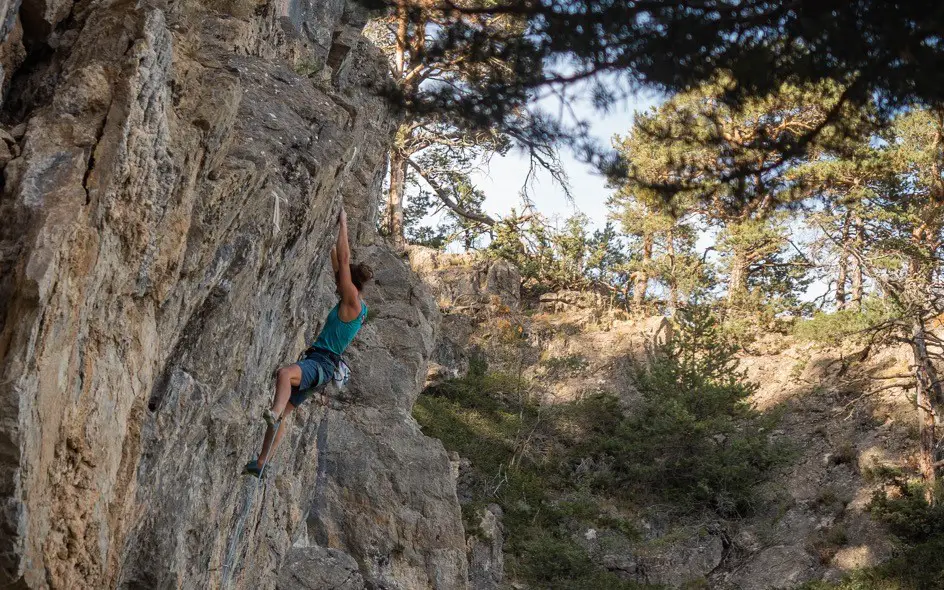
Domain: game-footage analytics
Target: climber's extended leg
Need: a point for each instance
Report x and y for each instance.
(268, 445)
(294, 384)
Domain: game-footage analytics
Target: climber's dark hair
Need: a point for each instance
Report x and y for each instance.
(361, 273)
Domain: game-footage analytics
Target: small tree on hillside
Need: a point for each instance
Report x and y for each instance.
(662, 248)
(607, 261)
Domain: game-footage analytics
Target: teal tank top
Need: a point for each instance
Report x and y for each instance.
(337, 334)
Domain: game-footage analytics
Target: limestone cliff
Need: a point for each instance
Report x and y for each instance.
(172, 172)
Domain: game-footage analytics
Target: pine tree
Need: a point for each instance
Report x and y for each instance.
(606, 266)
(886, 53)
(662, 247)
(915, 211)
(689, 152)
(896, 195)
(839, 186)
(436, 150)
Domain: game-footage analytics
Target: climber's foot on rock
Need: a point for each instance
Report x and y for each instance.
(253, 468)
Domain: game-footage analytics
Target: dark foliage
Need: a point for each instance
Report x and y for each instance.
(908, 514)
(693, 438)
(889, 53)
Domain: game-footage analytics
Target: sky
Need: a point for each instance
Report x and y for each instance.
(503, 179)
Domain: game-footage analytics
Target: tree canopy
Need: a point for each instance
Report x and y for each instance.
(887, 55)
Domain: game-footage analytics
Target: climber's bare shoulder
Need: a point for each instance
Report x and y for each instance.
(349, 310)
(350, 306)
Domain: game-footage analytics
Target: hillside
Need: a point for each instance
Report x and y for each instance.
(525, 374)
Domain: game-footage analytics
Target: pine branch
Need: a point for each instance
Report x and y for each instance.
(446, 198)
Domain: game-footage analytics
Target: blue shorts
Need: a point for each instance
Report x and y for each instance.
(317, 371)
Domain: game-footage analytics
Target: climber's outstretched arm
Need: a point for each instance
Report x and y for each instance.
(334, 260)
(350, 298)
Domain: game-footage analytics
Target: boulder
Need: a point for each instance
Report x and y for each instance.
(781, 566)
(317, 568)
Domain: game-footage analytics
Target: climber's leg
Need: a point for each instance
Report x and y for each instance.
(268, 445)
(294, 384)
(285, 379)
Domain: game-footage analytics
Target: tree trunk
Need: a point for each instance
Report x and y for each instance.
(403, 24)
(737, 280)
(672, 280)
(843, 264)
(858, 229)
(642, 275)
(393, 217)
(928, 393)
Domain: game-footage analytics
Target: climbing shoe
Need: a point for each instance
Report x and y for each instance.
(270, 417)
(253, 468)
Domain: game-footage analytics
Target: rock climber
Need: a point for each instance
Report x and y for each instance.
(296, 382)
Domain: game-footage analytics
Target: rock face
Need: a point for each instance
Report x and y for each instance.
(465, 281)
(486, 559)
(166, 215)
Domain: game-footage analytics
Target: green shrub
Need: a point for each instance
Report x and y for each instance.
(908, 514)
(553, 558)
(833, 328)
(693, 439)
(556, 562)
(881, 472)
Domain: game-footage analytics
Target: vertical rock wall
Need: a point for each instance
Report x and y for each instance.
(168, 203)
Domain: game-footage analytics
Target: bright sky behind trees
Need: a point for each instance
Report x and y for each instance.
(502, 181)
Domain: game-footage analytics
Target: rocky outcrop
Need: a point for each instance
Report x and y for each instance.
(485, 549)
(469, 289)
(567, 301)
(682, 562)
(467, 282)
(165, 220)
